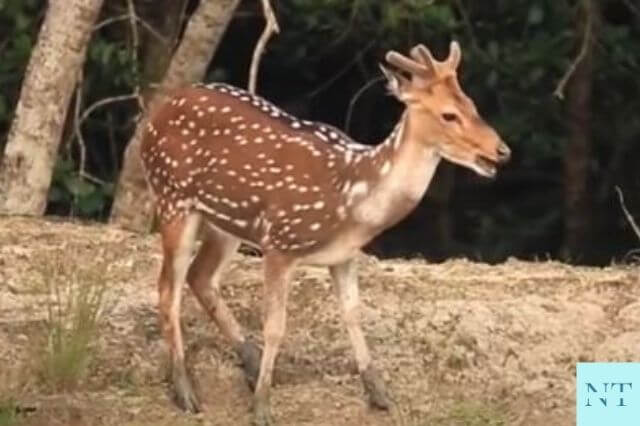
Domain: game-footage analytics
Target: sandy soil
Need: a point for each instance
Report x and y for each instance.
(460, 343)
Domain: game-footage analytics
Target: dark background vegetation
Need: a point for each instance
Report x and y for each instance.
(555, 199)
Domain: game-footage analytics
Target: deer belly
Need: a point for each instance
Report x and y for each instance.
(342, 248)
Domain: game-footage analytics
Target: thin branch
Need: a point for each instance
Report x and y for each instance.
(355, 97)
(358, 56)
(77, 124)
(106, 101)
(634, 9)
(126, 17)
(109, 21)
(270, 28)
(584, 51)
(630, 218)
(133, 17)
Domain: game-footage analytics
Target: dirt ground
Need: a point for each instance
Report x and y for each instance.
(461, 343)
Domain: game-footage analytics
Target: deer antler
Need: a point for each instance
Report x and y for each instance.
(423, 55)
(406, 64)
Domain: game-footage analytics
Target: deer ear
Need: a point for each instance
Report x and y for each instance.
(396, 82)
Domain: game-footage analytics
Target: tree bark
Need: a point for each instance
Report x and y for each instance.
(577, 153)
(50, 79)
(133, 203)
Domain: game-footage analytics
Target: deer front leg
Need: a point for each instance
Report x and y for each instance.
(345, 280)
(277, 274)
(177, 242)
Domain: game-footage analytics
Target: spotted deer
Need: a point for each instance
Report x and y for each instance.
(241, 170)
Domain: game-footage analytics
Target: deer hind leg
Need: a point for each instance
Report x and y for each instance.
(178, 237)
(277, 275)
(345, 281)
(204, 278)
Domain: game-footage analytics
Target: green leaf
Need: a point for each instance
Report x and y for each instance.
(92, 203)
(78, 186)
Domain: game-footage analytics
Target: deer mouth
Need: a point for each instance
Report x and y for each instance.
(485, 166)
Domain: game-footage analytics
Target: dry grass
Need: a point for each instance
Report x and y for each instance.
(460, 343)
(74, 308)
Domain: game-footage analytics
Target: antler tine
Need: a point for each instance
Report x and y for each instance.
(406, 64)
(422, 54)
(454, 55)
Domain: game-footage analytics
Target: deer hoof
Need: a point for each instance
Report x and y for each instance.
(250, 355)
(262, 415)
(375, 388)
(185, 396)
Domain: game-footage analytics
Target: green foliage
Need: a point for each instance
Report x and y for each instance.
(514, 54)
(85, 198)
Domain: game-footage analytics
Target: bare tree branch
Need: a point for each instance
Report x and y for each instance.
(127, 16)
(630, 218)
(355, 98)
(584, 50)
(270, 28)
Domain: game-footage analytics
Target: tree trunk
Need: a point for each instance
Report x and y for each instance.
(133, 204)
(51, 76)
(577, 153)
(166, 17)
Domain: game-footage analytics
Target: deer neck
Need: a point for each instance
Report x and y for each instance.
(398, 172)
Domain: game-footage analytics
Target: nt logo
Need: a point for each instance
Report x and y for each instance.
(601, 395)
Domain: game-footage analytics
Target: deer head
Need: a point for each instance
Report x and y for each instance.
(440, 114)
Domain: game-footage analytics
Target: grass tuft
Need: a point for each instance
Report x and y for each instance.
(8, 410)
(75, 309)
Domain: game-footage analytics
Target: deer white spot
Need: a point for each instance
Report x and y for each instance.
(385, 168)
(240, 223)
(255, 198)
(359, 188)
(342, 212)
(295, 125)
(225, 109)
(318, 205)
(315, 226)
(348, 156)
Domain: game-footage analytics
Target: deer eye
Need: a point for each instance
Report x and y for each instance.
(449, 117)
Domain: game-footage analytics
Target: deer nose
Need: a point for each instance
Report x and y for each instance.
(504, 153)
